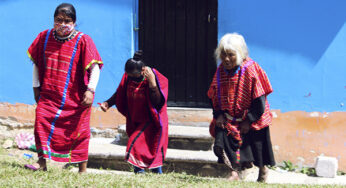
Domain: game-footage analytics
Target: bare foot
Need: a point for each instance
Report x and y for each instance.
(82, 167)
(234, 176)
(263, 174)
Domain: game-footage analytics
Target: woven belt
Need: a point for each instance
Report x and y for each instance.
(232, 118)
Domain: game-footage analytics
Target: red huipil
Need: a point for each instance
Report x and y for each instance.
(62, 128)
(234, 94)
(146, 126)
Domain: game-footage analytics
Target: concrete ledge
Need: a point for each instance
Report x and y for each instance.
(102, 153)
(181, 137)
(104, 148)
(177, 131)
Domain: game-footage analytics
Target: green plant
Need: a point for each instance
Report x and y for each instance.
(288, 165)
(340, 173)
(308, 171)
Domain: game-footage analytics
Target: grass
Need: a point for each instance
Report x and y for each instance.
(12, 174)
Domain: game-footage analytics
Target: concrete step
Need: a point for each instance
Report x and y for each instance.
(104, 153)
(189, 116)
(181, 137)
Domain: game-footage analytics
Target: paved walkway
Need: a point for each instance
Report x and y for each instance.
(275, 177)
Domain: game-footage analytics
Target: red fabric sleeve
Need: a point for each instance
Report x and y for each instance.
(212, 128)
(120, 98)
(35, 53)
(162, 84)
(260, 83)
(35, 50)
(90, 56)
(212, 95)
(212, 92)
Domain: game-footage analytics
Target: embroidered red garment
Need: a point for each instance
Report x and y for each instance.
(146, 126)
(234, 94)
(62, 128)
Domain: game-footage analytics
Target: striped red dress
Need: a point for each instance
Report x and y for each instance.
(234, 94)
(62, 129)
(146, 126)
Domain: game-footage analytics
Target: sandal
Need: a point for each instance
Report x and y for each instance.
(33, 168)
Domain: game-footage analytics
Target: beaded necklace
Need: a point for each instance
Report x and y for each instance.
(64, 39)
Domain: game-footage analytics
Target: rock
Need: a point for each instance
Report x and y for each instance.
(106, 133)
(94, 130)
(326, 166)
(7, 144)
(12, 118)
(10, 124)
(28, 125)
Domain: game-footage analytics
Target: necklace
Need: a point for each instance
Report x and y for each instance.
(64, 39)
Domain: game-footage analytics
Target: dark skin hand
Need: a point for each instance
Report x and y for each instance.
(88, 98)
(220, 121)
(244, 126)
(104, 106)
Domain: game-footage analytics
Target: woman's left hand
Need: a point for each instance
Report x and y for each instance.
(149, 74)
(244, 126)
(88, 98)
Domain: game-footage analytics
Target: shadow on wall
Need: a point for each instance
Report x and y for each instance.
(302, 27)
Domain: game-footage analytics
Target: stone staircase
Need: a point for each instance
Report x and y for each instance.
(189, 150)
(181, 137)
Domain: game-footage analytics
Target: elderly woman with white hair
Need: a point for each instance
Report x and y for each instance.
(241, 115)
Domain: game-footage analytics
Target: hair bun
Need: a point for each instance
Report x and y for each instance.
(138, 55)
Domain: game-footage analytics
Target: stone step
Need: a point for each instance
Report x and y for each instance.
(104, 153)
(190, 116)
(181, 137)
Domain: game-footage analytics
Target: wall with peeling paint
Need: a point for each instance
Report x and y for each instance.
(297, 136)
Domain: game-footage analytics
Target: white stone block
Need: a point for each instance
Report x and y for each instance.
(326, 166)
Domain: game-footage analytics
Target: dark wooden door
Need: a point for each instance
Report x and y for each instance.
(178, 38)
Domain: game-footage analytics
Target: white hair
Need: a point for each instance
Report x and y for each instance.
(235, 43)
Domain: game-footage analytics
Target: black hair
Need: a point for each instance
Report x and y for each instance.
(136, 63)
(66, 9)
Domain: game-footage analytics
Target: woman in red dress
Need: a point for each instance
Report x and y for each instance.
(241, 112)
(141, 97)
(66, 72)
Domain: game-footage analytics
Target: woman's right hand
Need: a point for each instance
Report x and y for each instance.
(104, 106)
(220, 121)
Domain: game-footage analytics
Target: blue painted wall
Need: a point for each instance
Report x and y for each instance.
(108, 22)
(301, 44)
